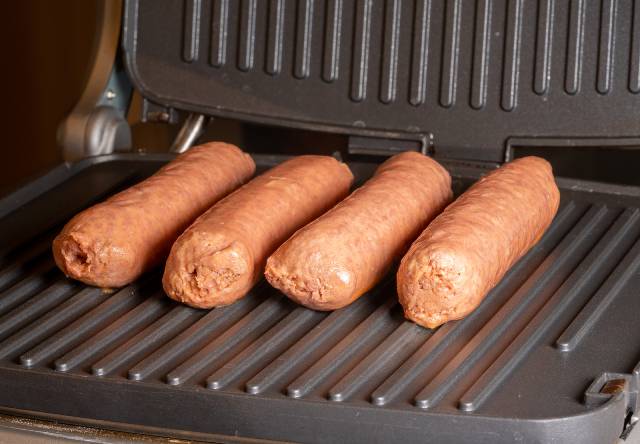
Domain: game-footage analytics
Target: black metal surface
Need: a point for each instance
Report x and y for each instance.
(516, 368)
(464, 77)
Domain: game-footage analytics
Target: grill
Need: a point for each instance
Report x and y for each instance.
(553, 352)
(530, 362)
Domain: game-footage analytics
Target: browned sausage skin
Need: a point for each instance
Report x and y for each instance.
(221, 256)
(466, 250)
(114, 242)
(338, 257)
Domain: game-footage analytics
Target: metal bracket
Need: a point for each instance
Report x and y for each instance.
(153, 112)
(569, 142)
(384, 146)
(97, 125)
(192, 128)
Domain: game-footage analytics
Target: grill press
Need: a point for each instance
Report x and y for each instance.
(552, 354)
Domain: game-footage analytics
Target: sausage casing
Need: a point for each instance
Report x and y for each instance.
(334, 260)
(114, 242)
(466, 250)
(221, 256)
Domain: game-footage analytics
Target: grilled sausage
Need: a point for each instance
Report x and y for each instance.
(335, 259)
(222, 255)
(466, 250)
(114, 242)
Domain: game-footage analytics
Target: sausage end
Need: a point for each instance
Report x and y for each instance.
(317, 289)
(434, 286)
(82, 259)
(205, 274)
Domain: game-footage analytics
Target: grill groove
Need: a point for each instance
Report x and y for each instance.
(481, 54)
(247, 329)
(24, 263)
(575, 48)
(267, 347)
(544, 46)
(634, 58)
(423, 364)
(548, 277)
(191, 339)
(114, 306)
(450, 53)
(35, 307)
(130, 323)
(275, 37)
(304, 34)
(148, 339)
(607, 45)
(41, 275)
(512, 55)
(380, 361)
(361, 50)
(354, 345)
(219, 32)
(247, 36)
(57, 318)
(587, 318)
(191, 30)
(313, 345)
(389, 79)
(420, 52)
(332, 36)
(581, 284)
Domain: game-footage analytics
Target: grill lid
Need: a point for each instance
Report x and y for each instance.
(460, 77)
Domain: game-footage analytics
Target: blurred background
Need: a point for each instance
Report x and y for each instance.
(47, 47)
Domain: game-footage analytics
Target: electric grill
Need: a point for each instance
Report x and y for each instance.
(552, 354)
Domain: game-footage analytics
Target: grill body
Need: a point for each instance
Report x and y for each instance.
(528, 364)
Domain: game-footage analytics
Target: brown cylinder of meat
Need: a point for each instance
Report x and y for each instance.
(221, 256)
(466, 250)
(334, 260)
(113, 243)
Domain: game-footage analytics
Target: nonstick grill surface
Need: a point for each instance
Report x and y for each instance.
(519, 366)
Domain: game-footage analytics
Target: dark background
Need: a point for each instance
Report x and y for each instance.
(46, 46)
(46, 49)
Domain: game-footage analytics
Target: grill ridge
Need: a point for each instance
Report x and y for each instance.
(589, 315)
(423, 364)
(247, 329)
(266, 347)
(115, 333)
(148, 340)
(346, 352)
(191, 339)
(549, 276)
(580, 284)
(131, 346)
(113, 306)
(314, 344)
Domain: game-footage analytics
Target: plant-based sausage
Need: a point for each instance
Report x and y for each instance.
(466, 250)
(221, 256)
(338, 257)
(114, 242)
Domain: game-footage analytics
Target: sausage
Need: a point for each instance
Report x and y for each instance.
(334, 260)
(114, 242)
(466, 250)
(221, 256)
